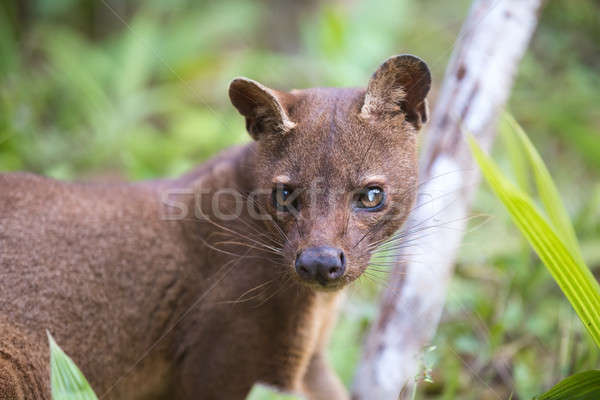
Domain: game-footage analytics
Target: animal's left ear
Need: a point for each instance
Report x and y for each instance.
(400, 85)
(263, 108)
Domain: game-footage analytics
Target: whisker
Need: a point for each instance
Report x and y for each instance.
(232, 231)
(377, 227)
(264, 247)
(283, 285)
(241, 298)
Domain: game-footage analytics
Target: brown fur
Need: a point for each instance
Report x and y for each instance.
(153, 305)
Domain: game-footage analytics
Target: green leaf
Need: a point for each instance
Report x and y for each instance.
(581, 386)
(547, 189)
(565, 266)
(265, 393)
(67, 381)
(514, 150)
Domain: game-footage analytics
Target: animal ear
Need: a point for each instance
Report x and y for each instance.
(399, 85)
(262, 107)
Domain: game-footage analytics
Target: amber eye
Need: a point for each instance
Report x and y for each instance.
(284, 199)
(371, 198)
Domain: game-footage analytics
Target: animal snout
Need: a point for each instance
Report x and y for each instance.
(323, 264)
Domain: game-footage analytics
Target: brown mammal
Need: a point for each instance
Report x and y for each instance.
(198, 287)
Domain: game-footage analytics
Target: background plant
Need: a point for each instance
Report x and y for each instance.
(554, 241)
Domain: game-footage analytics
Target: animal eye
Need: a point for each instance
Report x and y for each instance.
(371, 198)
(284, 199)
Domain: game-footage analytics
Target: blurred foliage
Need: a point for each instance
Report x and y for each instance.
(113, 89)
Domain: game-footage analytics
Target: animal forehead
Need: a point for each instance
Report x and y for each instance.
(332, 141)
(333, 116)
(340, 155)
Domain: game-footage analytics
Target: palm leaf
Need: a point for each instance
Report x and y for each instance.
(581, 386)
(565, 265)
(547, 190)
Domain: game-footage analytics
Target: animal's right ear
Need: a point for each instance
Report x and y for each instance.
(262, 107)
(399, 86)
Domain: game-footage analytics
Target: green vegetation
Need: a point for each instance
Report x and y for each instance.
(88, 93)
(581, 386)
(68, 383)
(554, 241)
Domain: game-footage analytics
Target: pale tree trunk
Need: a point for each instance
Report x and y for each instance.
(476, 86)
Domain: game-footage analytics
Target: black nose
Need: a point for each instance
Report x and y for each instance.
(323, 264)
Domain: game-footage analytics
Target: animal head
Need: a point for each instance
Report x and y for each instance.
(336, 168)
